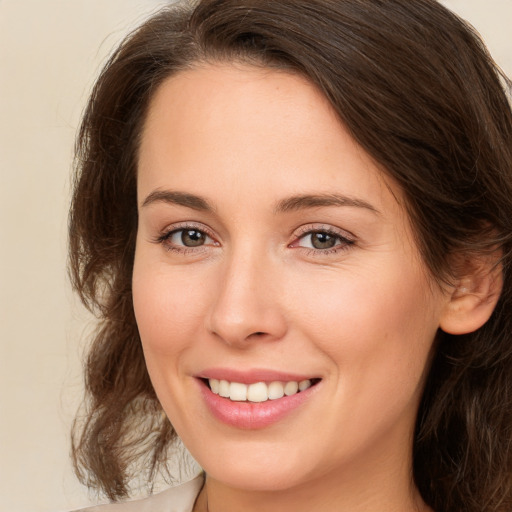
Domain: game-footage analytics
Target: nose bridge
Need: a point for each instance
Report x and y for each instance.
(247, 302)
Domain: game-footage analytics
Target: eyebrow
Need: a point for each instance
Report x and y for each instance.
(306, 201)
(289, 204)
(178, 198)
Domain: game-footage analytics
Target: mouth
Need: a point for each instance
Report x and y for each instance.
(256, 398)
(258, 392)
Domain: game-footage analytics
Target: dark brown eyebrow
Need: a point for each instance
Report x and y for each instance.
(305, 201)
(179, 198)
(294, 203)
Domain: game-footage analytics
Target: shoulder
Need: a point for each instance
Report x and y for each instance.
(176, 499)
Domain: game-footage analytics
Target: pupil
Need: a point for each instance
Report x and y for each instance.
(192, 238)
(323, 241)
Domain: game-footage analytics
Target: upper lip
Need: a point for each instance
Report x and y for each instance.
(253, 375)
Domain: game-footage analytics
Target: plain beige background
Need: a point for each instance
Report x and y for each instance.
(50, 52)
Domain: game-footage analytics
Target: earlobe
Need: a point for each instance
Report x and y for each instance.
(473, 298)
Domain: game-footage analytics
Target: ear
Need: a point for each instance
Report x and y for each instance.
(474, 296)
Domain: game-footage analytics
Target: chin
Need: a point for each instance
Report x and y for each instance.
(255, 478)
(259, 466)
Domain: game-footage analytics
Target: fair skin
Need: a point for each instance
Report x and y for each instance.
(271, 248)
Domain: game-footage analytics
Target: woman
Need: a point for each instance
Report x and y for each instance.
(294, 219)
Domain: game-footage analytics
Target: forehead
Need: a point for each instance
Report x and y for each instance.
(269, 130)
(209, 99)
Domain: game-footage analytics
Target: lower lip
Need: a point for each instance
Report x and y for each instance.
(253, 415)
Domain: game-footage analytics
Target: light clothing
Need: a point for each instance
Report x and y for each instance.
(176, 499)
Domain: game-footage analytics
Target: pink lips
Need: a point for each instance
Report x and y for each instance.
(248, 415)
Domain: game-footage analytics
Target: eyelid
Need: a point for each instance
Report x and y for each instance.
(324, 228)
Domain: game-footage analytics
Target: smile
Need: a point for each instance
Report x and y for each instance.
(260, 401)
(259, 391)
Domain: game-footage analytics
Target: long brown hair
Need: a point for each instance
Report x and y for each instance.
(418, 91)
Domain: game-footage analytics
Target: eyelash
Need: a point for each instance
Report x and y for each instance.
(343, 241)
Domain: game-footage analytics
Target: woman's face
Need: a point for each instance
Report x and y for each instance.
(270, 250)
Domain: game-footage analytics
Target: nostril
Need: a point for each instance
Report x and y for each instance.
(257, 334)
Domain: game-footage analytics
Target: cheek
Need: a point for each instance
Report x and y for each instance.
(377, 332)
(169, 312)
(353, 304)
(168, 306)
(377, 328)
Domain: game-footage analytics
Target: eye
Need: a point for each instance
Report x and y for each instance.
(185, 238)
(322, 240)
(188, 237)
(319, 240)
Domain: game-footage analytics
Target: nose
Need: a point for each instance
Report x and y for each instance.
(247, 303)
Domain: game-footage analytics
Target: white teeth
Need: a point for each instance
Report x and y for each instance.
(237, 392)
(304, 384)
(214, 384)
(224, 388)
(291, 388)
(257, 392)
(275, 390)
